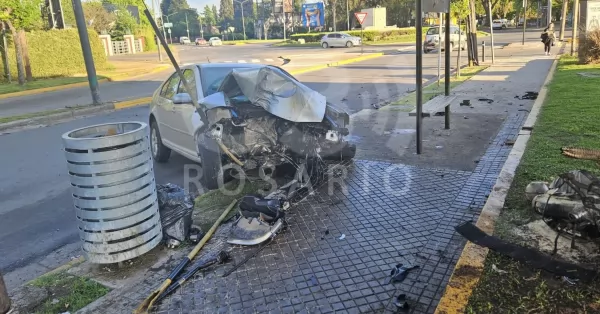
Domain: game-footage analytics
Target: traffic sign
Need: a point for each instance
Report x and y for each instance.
(168, 25)
(360, 16)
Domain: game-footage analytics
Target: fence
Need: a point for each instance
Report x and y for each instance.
(120, 47)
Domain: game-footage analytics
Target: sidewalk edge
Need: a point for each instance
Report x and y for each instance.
(461, 284)
(48, 89)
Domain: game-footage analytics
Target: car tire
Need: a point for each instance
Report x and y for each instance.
(212, 165)
(325, 45)
(425, 51)
(349, 44)
(160, 152)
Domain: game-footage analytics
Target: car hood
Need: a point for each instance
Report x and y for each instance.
(276, 92)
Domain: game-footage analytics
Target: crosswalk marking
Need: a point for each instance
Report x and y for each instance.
(241, 61)
(255, 61)
(269, 60)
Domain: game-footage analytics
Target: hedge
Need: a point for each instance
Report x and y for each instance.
(56, 53)
(366, 35)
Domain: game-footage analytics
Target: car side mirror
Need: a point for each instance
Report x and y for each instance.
(182, 99)
(214, 100)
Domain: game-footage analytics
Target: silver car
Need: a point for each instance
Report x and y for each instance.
(432, 38)
(340, 40)
(238, 130)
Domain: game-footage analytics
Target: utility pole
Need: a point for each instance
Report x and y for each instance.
(525, 20)
(241, 3)
(347, 16)
(419, 75)
(187, 26)
(439, 49)
(5, 53)
(491, 28)
(157, 40)
(575, 24)
(549, 12)
(334, 19)
(87, 51)
(563, 19)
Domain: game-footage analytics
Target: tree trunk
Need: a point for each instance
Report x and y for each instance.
(4, 300)
(472, 35)
(18, 52)
(25, 51)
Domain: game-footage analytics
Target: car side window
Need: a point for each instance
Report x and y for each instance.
(170, 88)
(188, 74)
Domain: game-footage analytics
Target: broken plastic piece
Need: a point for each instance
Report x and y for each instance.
(399, 273)
(401, 303)
(498, 270)
(342, 237)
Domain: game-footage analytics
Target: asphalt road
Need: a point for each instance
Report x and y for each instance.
(36, 215)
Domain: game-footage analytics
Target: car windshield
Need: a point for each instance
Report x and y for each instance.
(497, 21)
(214, 38)
(345, 35)
(433, 31)
(184, 38)
(212, 77)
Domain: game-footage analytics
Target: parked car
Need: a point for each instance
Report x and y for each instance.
(498, 25)
(432, 38)
(215, 41)
(200, 41)
(184, 40)
(286, 123)
(340, 40)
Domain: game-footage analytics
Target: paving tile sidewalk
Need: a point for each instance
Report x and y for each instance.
(391, 210)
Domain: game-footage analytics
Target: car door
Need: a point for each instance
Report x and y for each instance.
(184, 114)
(337, 38)
(165, 110)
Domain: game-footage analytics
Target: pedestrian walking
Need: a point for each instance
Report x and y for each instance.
(548, 40)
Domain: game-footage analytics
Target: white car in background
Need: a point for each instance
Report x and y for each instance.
(432, 38)
(215, 41)
(499, 24)
(184, 40)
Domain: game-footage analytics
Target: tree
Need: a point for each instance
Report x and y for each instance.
(210, 19)
(175, 6)
(125, 24)
(97, 17)
(19, 16)
(226, 12)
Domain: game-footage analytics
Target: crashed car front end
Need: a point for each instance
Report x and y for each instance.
(262, 117)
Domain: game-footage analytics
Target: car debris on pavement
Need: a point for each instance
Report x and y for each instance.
(175, 207)
(569, 205)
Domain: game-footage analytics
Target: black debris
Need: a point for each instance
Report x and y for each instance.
(528, 95)
(175, 207)
(489, 101)
(526, 255)
(465, 102)
(401, 303)
(326, 231)
(399, 273)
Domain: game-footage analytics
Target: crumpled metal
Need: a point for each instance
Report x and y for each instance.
(277, 93)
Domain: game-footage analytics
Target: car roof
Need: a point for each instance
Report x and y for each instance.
(229, 65)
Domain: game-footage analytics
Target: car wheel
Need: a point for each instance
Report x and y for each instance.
(212, 166)
(425, 51)
(325, 45)
(160, 152)
(349, 44)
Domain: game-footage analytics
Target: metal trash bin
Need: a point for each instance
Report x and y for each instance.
(114, 192)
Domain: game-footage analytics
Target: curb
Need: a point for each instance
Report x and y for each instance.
(48, 89)
(461, 284)
(73, 113)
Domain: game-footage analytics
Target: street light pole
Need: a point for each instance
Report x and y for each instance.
(347, 16)
(187, 26)
(241, 3)
(87, 51)
(525, 20)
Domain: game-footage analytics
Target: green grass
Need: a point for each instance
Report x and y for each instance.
(71, 292)
(409, 102)
(6, 88)
(568, 118)
(209, 206)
